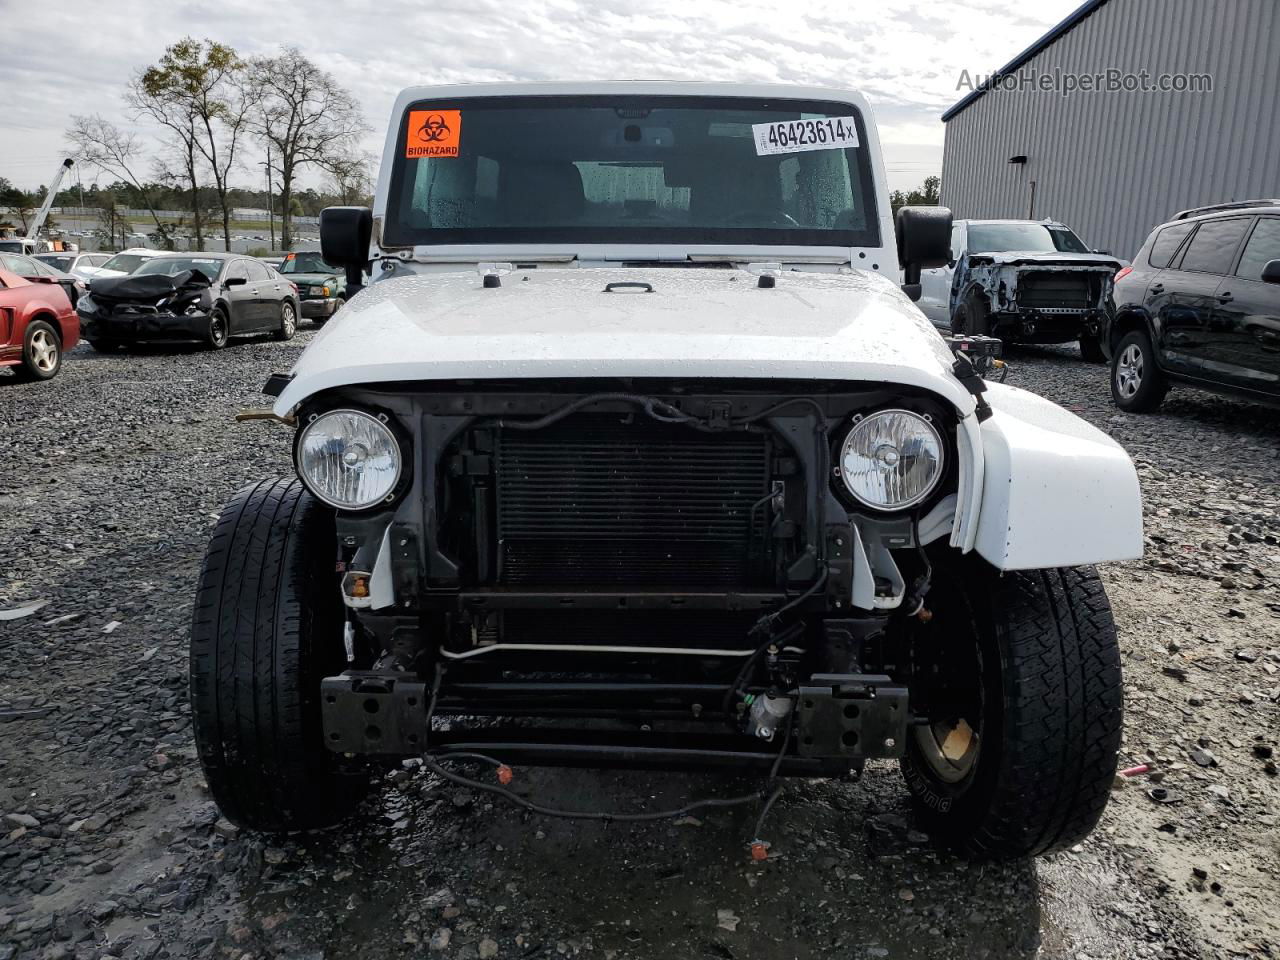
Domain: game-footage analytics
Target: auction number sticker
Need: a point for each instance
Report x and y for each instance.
(793, 136)
(433, 133)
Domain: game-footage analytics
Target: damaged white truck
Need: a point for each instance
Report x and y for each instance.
(634, 453)
(1024, 281)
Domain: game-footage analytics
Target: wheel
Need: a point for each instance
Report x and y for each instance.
(1137, 385)
(267, 627)
(41, 352)
(288, 321)
(1018, 679)
(218, 331)
(1091, 350)
(971, 317)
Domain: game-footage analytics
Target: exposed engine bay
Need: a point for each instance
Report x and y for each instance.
(678, 559)
(1035, 299)
(146, 305)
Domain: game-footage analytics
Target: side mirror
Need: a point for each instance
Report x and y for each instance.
(345, 233)
(235, 281)
(924, 240)
(1271, 272)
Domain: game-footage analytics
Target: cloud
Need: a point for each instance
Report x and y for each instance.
(76, 56)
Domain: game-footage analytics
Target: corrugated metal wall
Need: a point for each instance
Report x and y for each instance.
(1114, 165)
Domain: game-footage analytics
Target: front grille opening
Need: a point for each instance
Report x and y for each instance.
(1057, 290)
(615, 500)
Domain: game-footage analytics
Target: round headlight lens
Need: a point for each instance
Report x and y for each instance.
(349, 459)
(892, 459)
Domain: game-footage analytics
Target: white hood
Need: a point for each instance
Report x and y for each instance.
(559, 323)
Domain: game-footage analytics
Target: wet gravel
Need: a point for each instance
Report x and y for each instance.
(110, 478)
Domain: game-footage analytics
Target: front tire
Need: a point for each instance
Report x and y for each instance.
(1091, 350)
(1019, 677)
(267, 627)
(971, 317)
(218, 331)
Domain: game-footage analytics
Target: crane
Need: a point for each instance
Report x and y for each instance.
(38, 220)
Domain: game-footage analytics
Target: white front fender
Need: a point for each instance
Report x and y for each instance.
(1056, 491)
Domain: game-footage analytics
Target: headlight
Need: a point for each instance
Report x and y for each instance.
(349, 459)
(891, 459)
(316, 291)
(86, 304)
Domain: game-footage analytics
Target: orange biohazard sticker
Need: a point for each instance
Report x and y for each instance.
(433, 133)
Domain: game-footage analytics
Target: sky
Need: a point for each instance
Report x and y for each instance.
(907, 57)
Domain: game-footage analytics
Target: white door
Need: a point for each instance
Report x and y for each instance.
(935, 283)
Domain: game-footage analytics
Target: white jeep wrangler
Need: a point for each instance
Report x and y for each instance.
(634, 452)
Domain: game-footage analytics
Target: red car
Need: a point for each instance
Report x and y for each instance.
(37, 325)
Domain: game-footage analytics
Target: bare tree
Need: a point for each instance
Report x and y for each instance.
(155, 100)
(351, 178)
(205, 86)
(306, 118)
(104, 146)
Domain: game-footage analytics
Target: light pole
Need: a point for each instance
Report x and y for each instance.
(271, 205)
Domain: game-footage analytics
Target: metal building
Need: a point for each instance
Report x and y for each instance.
(1113, 162)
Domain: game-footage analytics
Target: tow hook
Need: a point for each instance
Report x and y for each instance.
(264, 413)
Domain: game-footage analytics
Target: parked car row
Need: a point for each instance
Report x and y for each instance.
(50, 301)
(1199, 304)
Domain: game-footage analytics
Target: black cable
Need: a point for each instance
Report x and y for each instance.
(764, 623)
(920, 585)
(764, 812)
(431, 764)
(809, 401)
(648, 404)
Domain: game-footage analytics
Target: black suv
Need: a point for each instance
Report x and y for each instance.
(1200, 305)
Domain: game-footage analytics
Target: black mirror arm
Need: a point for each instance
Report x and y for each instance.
(911, 282)
(355, 279)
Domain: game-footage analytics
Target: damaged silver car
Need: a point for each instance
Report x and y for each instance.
(1024, 281)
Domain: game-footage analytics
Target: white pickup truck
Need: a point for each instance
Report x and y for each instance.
(635, 453)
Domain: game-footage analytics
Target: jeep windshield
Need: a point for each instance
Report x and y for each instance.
(1023, 238)
(605, 169)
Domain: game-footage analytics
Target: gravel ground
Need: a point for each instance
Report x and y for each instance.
(110, 478)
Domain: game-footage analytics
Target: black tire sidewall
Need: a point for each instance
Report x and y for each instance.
(266, 628)
(28, 368)
(970, 318)
(1051, 715)
(1091, 350)
(285, 333)
(212, 342)
(968, 799)
(1153, 388)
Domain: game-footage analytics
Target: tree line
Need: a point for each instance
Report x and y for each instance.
(210, 104)
(924, 195)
